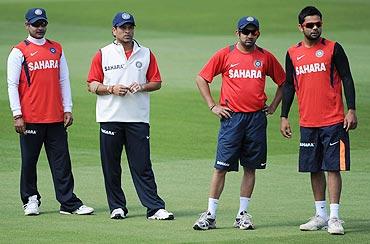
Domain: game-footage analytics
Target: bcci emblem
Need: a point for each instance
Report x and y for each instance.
(319, 53)
(257, 63)
(125, 16)
(139, 64)
(38, 11)
(52, 50)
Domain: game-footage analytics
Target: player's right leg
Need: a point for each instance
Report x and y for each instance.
(31, 144)
(207, 219)
(310, 160)
(112, 138)
(228, 152)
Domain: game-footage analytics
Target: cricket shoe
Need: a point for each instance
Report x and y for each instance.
(118, 213)
(82, 210)
(335, 226)
(162, 214)
(243, 221)
(32, 207)
(205, 222)
(314, 223)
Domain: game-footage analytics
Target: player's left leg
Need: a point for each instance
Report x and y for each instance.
(253, 156)
(56, 147)
(335, 187)
(336, 159)
(138, 155)
(243, 220)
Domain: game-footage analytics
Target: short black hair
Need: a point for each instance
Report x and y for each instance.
(308, 11)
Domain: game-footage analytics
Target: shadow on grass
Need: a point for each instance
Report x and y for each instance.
(357, 226)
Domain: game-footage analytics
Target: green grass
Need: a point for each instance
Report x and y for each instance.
(183, 35)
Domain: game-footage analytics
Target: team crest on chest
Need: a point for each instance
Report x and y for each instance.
(53, 50)
(319, 53)
(138, 64)
(257, 63)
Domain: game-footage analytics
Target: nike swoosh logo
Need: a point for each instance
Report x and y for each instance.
(300, 57)
(332, 144)
(34, 53)
(233, 65)
(148, 137)
(263, 164)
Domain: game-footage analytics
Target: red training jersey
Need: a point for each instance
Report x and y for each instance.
(243, 77)
(39, 83)
(317, 84)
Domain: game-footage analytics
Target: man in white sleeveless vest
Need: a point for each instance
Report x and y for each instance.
(121, 75)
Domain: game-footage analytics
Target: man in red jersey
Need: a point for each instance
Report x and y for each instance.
(316, 70)
(122, 74)
(242, 109)
(41, 103)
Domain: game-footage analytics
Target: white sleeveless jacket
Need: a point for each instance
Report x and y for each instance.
(118, 70)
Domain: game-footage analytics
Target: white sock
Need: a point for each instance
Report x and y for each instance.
(212, 206)
(321, 209)
(244, 203)
(334, 210)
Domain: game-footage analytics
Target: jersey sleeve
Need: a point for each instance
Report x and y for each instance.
(65, 84)
(342, 65)
(214, 66)
(153, 74)
(275, 70)
(96, 71)
(14, 69)
(288, 88)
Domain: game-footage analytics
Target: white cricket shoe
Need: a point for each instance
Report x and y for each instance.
(32, 207)
(243, 221)
(335, 226)
(118, 213)
(205, 222)
(314, 223)
(82, 210)
(162, 214)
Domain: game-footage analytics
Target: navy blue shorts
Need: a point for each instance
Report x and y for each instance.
(242, 138)
(324, 149)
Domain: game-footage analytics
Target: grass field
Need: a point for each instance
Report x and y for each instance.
(183, 35)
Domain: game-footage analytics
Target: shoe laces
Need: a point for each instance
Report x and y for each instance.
(336, 222)
(244, 217)
(316, 218)
(162, 211)
(31, 201)
(82, 207)
(206, 216)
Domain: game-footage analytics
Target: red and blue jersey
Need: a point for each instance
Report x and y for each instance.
(243, 77)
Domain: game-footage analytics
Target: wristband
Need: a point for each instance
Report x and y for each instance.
(17, 117)
(110, 89)
(96, 89)
(210, 108)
